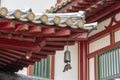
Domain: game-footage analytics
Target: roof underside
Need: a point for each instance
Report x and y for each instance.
(96, 10)
(26, 39)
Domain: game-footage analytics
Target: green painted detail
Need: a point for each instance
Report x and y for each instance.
(108, 63)
(42, 68)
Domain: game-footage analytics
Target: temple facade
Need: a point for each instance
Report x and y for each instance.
(68, 25)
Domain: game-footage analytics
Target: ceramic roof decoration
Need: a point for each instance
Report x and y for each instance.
(72, 20)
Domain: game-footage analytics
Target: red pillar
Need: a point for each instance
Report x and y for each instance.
(29, 70)
(83, 60)
(52, 67)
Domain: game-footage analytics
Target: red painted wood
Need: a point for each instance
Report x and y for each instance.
(83, 61)
(14, 52)
(106, 12)
(10, 54)
(7, 57)
(52, 67)
(29, 70)
(21, 27)
(60, 43)
(102, 33)
(44, 52)
(50, 48)
(62, 33)
(18, 45)
(7, 25)
(5, 60)
(34, 29)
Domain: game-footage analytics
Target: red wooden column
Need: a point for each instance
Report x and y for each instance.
(29, 70)
(82, 61)
(52, 67)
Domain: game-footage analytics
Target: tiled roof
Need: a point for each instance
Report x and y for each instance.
(26, 37)
(72, 20)
(58, 6)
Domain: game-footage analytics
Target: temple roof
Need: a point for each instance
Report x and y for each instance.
(26, 37)
(96, 10)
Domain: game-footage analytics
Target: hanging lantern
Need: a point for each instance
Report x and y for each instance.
(67, 59)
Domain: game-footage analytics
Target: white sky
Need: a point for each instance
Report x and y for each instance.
(36, 5)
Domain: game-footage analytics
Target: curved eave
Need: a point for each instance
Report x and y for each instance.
(95, 10)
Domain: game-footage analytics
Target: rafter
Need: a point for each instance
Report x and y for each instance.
(7, 25)
(7, 57)
(18, 45)
(10, 54)
(106, 12)
(5, 60)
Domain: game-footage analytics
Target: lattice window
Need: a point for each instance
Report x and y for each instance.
(109, 63)
(42, 68)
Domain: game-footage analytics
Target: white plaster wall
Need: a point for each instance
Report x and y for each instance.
(100, 27)
(117, 36)
(36, 5)
(117, 33)
(59, 64)
(91, 69)
(100, 43)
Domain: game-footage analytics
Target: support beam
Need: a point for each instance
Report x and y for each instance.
(34, 29)
(21, 27)
(104, 12)
(18, 45)
(5, 60)
(46, 31)
(50, 48)
(44, 52)
(7, 25)
(61, 33)
(10, 54)
(7, 57)
(60, 43)
(14, 52)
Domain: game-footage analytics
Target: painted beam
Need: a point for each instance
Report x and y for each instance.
(21, 27)
(5, 60)
(60, 43)
(7, 57)
(10, 54)
(17, 37)
(63, 39)
(50, 48)
(7, 25)
(14, 52)
(44, 52)
(61, 33)
(18, 45)
(34, 29)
